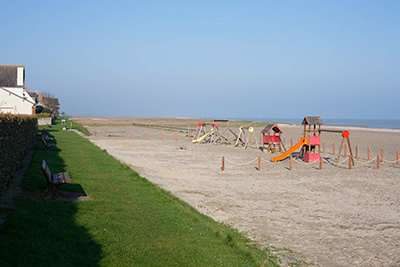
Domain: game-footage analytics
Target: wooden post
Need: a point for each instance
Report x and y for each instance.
(176, 136)
(377, 162)
(320, 162)
(131, 134)
(397, 162)
(340, 151)
(291, 163)
(145, 135)
(223, 164)
(323, 147)
(160, 135)
(369, 153)
(333, 148)
(263, 143)
(351, 152)
(356, 152)
(259, 163)
(345, 150)
(350, 162)
(381, 154)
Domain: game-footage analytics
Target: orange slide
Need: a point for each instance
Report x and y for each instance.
(303, 141)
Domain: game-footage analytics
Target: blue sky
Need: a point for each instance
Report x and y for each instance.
(226, 59)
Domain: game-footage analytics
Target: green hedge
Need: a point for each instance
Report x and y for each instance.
(17, 137)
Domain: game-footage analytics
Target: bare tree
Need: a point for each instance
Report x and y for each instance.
(51, 102)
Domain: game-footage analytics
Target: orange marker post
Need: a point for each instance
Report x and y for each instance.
(223, 164)
(345, 150)
(323, 147)
(333, 148)
(176, 136)
(160, 135)
(291, 163)
(259, 163)
(397, 163)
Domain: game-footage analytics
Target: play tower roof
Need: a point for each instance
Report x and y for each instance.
(312, 120)
(270, 127)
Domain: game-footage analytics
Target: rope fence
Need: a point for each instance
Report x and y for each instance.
(347, 161)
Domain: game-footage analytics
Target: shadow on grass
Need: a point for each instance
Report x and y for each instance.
(41, 232)
(45, 234)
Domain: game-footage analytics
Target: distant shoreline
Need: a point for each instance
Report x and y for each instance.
(362, 124)
(358, 123)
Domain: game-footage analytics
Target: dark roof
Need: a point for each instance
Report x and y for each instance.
(312, 120)
(270, 127)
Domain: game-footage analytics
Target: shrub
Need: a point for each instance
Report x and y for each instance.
(43, 115)
(17, 137)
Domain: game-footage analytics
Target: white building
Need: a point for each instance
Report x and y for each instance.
(13, 96)
(16, 101)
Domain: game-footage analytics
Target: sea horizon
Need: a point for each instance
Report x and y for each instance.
(363, 123)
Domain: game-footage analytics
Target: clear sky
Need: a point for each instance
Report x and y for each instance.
(226, 59)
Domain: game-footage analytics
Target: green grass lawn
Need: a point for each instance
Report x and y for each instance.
(128, 222)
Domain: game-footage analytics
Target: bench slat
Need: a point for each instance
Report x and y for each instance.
(67, 179)
(58, 179)
(46, 171)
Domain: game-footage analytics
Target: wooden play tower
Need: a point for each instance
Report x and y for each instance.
(311, 151)
(273, 142)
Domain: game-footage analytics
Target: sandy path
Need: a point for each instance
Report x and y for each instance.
(331, 217)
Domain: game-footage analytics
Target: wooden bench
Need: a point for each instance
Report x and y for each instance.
(46, 135)
(55, 181)
(46, 145)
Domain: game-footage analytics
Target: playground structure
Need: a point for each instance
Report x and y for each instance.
(310, 143)
(212, 136)
(274, 142)
(311, 151)
(245, 137)
(345, 136)
(201, 132)
(219, 137)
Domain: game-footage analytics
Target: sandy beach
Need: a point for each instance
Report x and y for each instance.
(329, 217)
